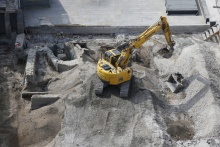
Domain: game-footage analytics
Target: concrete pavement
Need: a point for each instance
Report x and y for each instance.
(105, 13)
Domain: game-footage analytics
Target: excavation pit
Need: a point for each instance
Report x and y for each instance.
(141, 117)
(67, 51)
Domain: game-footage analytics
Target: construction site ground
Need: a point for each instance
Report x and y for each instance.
(151, 116)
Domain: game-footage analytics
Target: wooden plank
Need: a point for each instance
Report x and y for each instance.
(210, 36)
(215, 37)
(204, 36)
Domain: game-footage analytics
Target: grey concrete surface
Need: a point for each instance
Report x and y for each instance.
(105, 13)
(214, 12)
(94, 30)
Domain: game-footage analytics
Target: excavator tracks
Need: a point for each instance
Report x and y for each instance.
(99, 86)
(124, 89)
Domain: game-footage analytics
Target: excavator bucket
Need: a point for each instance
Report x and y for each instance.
(165, 52)
(175, 83)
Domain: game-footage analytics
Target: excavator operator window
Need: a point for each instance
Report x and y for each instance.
(106, 67)
(114, 59)
(108, 56)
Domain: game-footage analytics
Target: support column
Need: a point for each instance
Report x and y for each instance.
(7, 25)
(20, 22)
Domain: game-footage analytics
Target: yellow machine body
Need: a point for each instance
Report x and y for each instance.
(113, 76)
(112, 67)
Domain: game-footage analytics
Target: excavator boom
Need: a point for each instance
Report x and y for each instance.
(163, 25)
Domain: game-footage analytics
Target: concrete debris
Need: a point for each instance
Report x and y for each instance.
(30, 66)
(73, 52)
(28, 94)
(139, 74)
(175, 82)
(38, 101)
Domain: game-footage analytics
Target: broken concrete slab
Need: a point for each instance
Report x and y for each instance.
(30, 66)
(20, 22)
(38, 101)
(20, 45)
(57, 64)
(67, 65)
(51, 58)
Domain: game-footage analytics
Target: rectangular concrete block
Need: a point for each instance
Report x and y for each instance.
(30, 66)
(20, 45)
(38, 101)
(53, 61)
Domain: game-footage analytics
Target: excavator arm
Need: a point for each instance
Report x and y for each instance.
(162, 24)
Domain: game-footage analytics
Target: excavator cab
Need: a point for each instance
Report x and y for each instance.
(112, 56)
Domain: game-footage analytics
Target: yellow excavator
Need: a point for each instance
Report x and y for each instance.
(112, 67)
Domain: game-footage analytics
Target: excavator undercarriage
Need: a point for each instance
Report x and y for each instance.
(124, 87)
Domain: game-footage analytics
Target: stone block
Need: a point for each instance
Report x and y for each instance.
(30, 66)
(38, 101)
(20, 45)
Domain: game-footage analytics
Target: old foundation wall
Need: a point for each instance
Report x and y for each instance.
(94, 30)
(11, 22)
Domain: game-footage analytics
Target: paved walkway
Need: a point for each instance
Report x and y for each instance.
(105, 13)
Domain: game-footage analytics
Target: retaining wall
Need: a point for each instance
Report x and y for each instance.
(96, 30)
